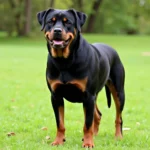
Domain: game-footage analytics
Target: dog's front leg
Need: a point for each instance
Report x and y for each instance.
(58, 106)
(89, 106)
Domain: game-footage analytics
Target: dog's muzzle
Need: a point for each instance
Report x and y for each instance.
(57, 38)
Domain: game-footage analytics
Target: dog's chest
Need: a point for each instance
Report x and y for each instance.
(65, 80)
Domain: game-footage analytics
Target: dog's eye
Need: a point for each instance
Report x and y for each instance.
(66, 21)
(52, 21)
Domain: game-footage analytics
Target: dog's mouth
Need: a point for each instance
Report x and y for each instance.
(59, 43)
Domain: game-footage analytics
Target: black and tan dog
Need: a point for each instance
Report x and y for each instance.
(77, 71)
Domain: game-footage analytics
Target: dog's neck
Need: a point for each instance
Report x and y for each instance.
(62, 63)
(72, 50)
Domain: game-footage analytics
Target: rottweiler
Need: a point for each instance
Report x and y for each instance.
(77, 71)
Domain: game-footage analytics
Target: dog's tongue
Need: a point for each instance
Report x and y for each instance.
(58, 42)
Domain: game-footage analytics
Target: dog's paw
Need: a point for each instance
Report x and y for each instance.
(58, 141)
(88, 144)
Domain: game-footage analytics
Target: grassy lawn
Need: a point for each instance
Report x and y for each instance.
(25, 107)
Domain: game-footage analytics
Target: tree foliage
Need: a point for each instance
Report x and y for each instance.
(18, 17)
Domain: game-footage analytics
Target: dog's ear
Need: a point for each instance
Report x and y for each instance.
(41, 17)
(79, 17)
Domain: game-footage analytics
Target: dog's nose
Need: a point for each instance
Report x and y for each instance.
(57, 30)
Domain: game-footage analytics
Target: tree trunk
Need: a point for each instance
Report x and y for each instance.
(18, 17)
(17, 24)
(80, 5)
(77, 4)
(92, 16)
(52, 3)
(27, 23)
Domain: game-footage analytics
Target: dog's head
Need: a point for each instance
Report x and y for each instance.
(61, 28)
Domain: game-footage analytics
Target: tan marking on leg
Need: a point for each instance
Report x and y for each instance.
(118, 120)
(60, 136)
(97, 119)
(88, 135)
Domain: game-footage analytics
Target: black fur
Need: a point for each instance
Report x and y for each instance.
(99, 63)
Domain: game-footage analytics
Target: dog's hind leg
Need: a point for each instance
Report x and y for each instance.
(97, 119)
(116, 86)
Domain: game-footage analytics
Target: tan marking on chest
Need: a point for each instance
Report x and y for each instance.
(54, 83)
(80, 84)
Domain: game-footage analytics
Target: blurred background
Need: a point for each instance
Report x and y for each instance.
(18, 17)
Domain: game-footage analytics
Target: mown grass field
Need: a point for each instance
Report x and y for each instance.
(25, 107)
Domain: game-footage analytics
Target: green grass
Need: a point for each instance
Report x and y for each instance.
(25, 106)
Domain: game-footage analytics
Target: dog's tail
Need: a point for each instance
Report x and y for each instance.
(108, 95)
